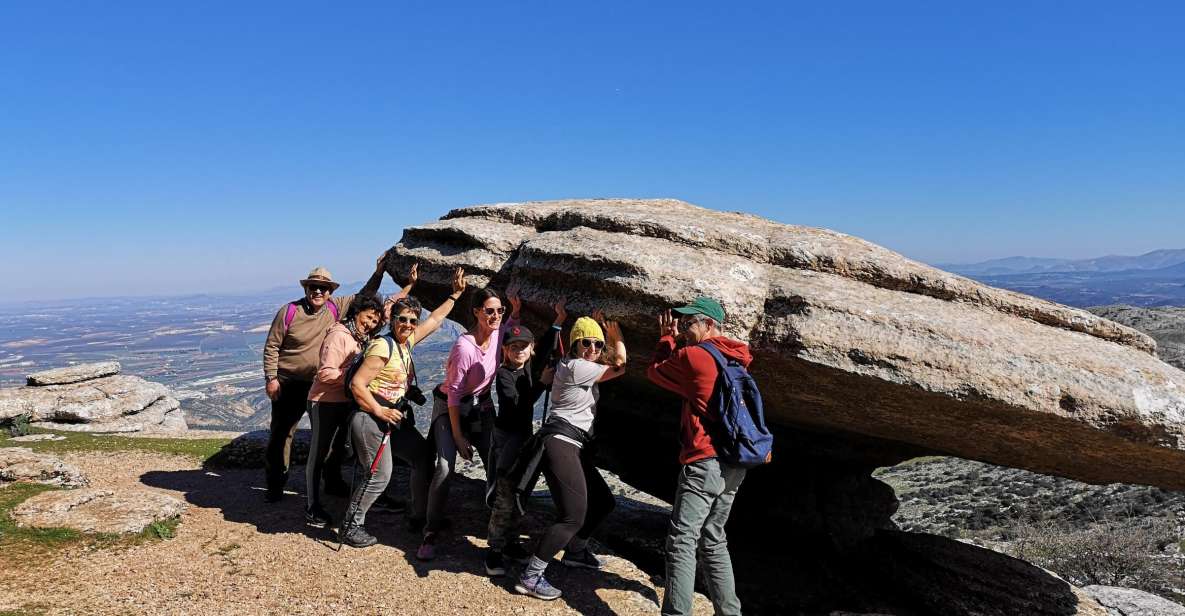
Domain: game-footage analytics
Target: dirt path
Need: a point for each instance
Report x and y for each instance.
(234, 554)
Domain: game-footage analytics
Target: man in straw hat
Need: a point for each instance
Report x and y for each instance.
(290, 358)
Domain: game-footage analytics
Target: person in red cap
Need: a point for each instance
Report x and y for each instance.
(707, 485)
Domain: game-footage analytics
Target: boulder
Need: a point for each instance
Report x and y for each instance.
(247, 450)
(23, 464)
(106, 403)
(1166, 325)
(1131, 602)
(848, 337)
(95, 510)
(73, 374)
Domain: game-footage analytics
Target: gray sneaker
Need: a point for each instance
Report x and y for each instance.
(357, 537)
(537, 587)
(584, 558)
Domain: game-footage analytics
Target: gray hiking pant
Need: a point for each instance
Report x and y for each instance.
(504, 516)
(702, 503)
(366, 432)
(446, 461)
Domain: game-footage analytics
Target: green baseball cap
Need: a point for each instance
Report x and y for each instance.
(705, 306)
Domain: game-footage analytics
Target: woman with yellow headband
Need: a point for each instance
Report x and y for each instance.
(582, 497)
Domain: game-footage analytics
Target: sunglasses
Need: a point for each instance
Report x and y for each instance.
(407, 320)
(686, 322)
(494, 311)
(592, 342)
(316, 289)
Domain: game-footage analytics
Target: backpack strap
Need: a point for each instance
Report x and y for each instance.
(721, 362)
(290, 313)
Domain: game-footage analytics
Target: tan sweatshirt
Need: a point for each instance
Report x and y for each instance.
(293, 356)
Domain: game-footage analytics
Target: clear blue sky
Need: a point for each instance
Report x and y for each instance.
(162, 147)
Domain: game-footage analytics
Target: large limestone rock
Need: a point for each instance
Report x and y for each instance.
(96, 510)
(849, 337)
(1131, 602)
(23, 464)
(73, 374)
(105, 403)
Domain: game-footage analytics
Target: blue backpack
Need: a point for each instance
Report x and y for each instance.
(744, 439)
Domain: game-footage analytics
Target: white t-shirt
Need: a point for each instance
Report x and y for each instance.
(574, 392)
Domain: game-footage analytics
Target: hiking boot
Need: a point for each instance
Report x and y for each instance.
(390, 503)
(495, 564)
(516, 552)
(317, 517)
(427, 549)
(584, 559)
(357, 537)
(538, 587)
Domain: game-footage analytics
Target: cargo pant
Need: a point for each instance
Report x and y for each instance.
(504, 516)
(702, 503)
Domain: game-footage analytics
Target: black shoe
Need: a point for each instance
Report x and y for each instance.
(389, 503)
(516, 552)
(495, 564)
(357, 537)
(273, 496)
(317, 517)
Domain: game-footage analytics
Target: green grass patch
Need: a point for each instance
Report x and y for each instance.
(201, 449)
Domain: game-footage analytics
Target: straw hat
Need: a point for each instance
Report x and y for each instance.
(320, 275)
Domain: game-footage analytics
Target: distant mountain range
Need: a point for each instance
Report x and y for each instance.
(1157, 259)
(1153, 279)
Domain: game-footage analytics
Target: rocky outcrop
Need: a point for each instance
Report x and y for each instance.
(108, 402)
(73, 374)
(22, 464)
(1165, 325)
(865, 359)
(94, 510)
(247, 450)
(1131, 602)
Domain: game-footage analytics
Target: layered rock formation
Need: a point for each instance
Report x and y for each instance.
(94, 398)
(865, 358)
(1165, 325)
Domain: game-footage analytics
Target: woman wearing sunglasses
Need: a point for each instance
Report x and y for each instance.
(582, 497)
(379, 387)
(463, 407)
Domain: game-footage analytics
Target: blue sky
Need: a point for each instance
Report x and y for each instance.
(163, 147)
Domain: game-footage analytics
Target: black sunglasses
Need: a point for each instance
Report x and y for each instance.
(492, 311)
(409, 320)
(592, 342)
(316, 288)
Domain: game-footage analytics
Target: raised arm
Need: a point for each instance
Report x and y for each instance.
(615, 354)
(432, 323)
(372, 284)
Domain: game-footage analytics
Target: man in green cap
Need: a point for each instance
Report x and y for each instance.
(707, 485)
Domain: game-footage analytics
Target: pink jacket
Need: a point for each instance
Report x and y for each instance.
(337, 351)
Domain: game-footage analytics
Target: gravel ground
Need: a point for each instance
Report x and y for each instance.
(234, 554)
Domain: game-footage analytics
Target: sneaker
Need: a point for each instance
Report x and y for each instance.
(516, 552)
(357, 537)
(427, 549)
(389, 503)
(495, 565)
(537, 587)
(317, 517)
(584, 558)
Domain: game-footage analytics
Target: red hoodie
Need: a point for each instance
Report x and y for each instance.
(691, 372)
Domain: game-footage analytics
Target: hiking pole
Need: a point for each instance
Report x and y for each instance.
(356, 497)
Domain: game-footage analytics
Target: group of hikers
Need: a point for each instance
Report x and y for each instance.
(332, 356)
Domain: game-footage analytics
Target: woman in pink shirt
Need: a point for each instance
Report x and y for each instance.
(463, 408)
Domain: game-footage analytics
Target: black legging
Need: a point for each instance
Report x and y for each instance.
(581, 496)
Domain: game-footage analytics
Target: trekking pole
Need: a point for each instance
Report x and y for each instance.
(356, 498)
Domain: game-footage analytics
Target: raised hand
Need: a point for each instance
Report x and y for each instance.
(380, 264)
(413, 275)
(612, 332)
(561, 313)
(458, 281)
(668, 325)
(598, 315)
(516, 303)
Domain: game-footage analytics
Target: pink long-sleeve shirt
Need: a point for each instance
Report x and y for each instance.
(337, 351)
(469, 369)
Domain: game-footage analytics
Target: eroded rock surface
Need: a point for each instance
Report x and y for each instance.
(1131, 602)
(23, 464)
(1166, 325)
(106, 403)
(848, 337)
(96, 510)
